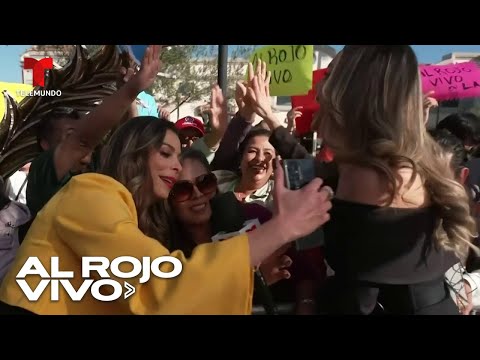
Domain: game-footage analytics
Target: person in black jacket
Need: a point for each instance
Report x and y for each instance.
(399, 220)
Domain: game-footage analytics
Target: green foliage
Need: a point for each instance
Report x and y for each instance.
(188, 71)
(192, 70)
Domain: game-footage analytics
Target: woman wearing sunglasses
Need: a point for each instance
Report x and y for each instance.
(190, 201)
(198, 220)
(122, 211)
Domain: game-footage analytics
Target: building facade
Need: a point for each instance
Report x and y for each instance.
(457, 57)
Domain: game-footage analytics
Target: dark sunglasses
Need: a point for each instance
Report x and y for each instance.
(183, 189)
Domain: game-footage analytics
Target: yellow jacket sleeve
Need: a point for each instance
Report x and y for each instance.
(97, 217)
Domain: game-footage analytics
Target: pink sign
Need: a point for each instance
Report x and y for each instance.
(454, 81)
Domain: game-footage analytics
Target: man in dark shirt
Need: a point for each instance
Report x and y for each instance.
(44, 179)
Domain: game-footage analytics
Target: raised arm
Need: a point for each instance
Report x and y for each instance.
(285, 143)
(226, 154)
(237, 129)
(94, 126)
(239, 126)
(218, 118)
(209, 143)
(292, 115)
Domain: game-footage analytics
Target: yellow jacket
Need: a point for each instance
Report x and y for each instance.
(94, 215)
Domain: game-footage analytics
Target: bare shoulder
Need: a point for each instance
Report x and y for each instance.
(367, 186)
(411, 191)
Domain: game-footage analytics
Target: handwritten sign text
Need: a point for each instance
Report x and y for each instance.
(291, 67)
(455, 81)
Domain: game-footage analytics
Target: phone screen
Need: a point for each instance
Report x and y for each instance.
(298, 172)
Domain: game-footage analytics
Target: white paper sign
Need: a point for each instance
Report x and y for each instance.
(248, 225)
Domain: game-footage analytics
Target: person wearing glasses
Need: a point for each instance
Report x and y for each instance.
(122, 210)
(68, 139)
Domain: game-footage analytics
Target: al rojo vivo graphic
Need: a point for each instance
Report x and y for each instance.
(96, 272)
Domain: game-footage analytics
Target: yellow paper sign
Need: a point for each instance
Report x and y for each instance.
(291, 67)
(15, 90)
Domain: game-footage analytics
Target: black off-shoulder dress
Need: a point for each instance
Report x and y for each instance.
(385, 262)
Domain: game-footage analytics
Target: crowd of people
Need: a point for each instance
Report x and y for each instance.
(390, 219)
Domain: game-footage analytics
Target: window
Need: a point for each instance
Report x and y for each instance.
(282, 103)
(28, 76)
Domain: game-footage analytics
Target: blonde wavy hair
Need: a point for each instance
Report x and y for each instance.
(372, 116)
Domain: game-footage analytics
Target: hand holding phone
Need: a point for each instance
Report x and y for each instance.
(298, 172)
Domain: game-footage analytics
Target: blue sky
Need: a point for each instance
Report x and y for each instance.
(10, 57)
(433, 53)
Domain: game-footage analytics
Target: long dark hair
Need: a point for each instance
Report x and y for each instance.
(125, 158)
(465, 126)
(180, 238)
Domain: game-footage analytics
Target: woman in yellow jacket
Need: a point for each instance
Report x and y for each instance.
(121, 212)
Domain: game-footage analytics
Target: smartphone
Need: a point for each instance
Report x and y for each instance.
(298, 172)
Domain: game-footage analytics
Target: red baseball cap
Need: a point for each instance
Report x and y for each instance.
(190, 122)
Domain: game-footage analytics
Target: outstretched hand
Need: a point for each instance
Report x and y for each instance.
(149, 69)
(218, 111)
(258, 92)
(244, 108)
(163, 113)
(275, 267)
(428, 103)
(292, 115)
